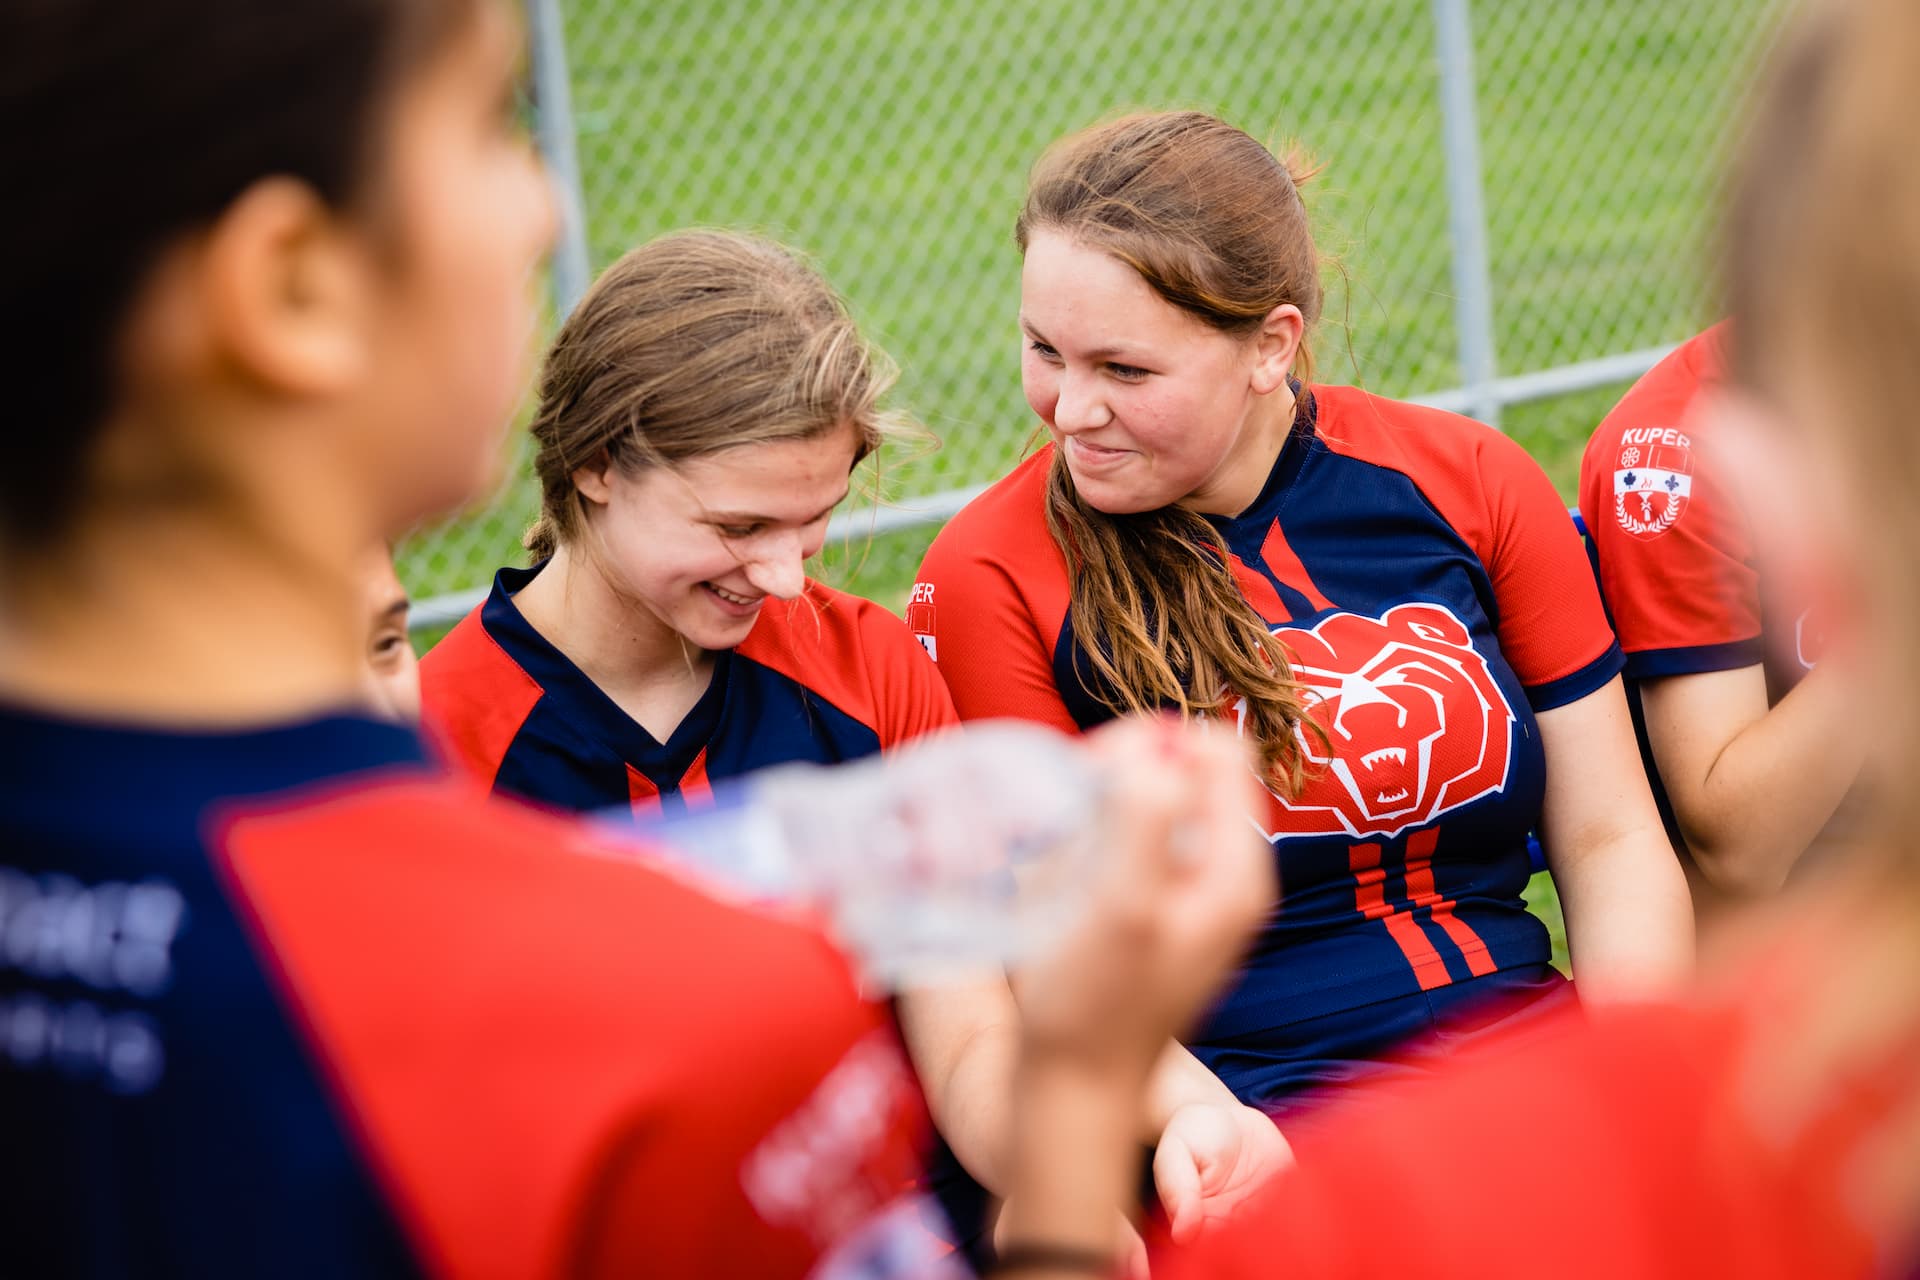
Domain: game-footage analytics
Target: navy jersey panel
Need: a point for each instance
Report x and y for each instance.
(1388, 549)
(163, 1115)
(577, 750)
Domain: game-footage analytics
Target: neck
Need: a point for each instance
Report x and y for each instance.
(1234, 485)
(620, 644)
(196, 618)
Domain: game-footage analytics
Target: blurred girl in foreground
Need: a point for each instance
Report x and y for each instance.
(278, 995)
(1770, 1124)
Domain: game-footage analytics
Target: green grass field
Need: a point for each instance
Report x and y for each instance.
(891, 141)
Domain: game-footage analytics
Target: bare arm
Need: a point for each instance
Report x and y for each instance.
(1751, 786)
(1629, 917)
(964, 1041)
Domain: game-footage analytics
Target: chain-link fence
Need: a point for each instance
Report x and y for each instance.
(1516, 192)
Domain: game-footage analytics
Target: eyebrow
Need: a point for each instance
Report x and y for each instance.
(751, 517)
(1118, 355)
(396, 609)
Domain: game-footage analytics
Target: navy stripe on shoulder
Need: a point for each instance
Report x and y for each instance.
(1651, 664)
(1572, 688)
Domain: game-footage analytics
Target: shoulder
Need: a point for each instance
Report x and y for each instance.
(857, 655)
(430, 857)
(1659, 401)
(469, 662)
(474, 696)
(607, 1021)
(1408, 437)
(1461, 465)
(1003, 521)
(825, 626)
(999, 546)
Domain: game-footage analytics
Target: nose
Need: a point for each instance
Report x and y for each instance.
(1081, 406)
(778, 568)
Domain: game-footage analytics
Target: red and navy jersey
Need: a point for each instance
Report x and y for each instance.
(296, 1002)
(1674, 544)
(825, 678)
(1432, 595)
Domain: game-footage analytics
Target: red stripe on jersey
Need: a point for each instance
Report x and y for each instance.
(694, 783)
(1286, 566)
(641, 793)
(1259, 592)
(1421, 892)
(1370, 900)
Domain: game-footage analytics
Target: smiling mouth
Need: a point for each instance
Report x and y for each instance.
(731, 598)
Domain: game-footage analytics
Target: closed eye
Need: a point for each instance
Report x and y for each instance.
(739, 530)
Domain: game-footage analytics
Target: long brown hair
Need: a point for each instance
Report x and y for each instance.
(1213, 222)
(692, 343)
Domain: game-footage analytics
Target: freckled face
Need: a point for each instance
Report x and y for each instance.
(1150, 405)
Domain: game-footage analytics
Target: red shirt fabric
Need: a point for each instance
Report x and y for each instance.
(1634, 1146)
(1673, 541)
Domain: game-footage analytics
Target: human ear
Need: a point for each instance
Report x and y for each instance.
(594, 482)
(1275, 346)
(288, 291)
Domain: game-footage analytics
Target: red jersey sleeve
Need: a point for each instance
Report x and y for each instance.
(1553, 630)
(911, 697)
(991, 601)
(563, 1063)
(859, 656)
(474, 698)
(1673, 544)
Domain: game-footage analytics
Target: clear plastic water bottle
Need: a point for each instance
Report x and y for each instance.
(960, 853)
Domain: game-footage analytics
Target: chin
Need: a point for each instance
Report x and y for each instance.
(1117, 500)
(714, 634)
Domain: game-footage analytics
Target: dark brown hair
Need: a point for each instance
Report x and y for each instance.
(692, 343)
(127, 126)
(1213, 222)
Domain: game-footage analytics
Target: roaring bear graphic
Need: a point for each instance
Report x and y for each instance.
(1415, 720)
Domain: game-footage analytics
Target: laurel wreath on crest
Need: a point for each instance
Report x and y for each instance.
(1653, 523)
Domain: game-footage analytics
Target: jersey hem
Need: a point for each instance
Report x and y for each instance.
(1577, 685)
(1519, 947)
(1650, 664)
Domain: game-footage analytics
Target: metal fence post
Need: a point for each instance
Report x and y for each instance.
(1466, 210)
(553, 125)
